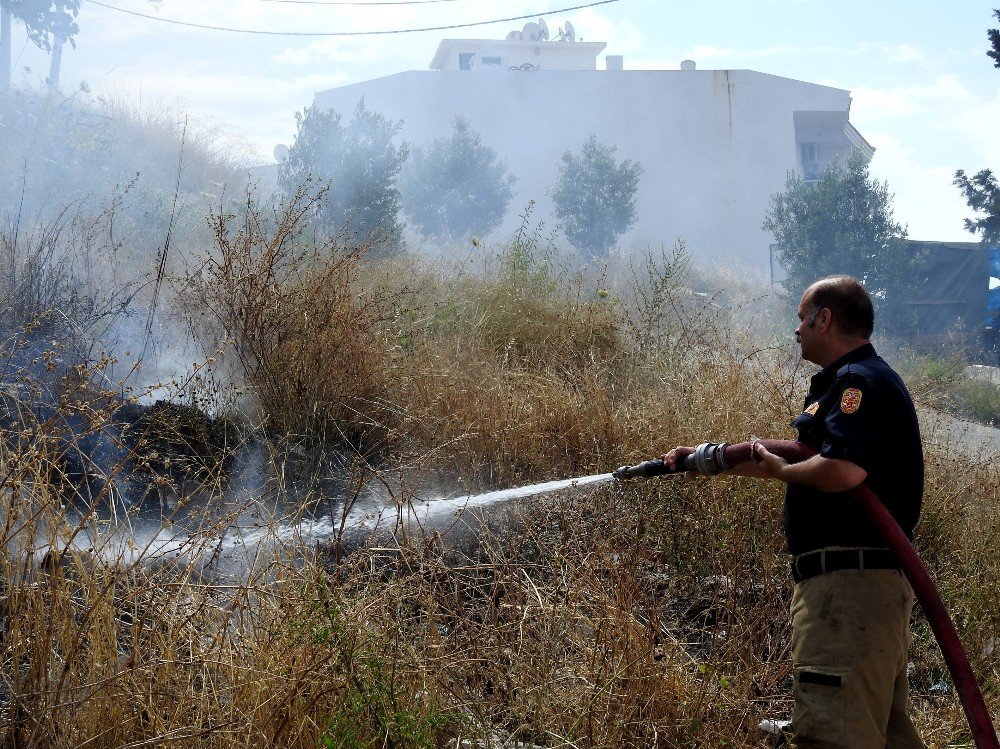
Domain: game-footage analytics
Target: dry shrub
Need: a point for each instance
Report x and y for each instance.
(531, 372)
(64, 279)
(104, 654)
(309, 344)
(511, 369)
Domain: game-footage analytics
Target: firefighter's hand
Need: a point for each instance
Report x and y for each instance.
(675, 459)
(769, 465)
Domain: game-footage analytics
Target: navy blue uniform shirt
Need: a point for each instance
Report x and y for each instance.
(857, 409)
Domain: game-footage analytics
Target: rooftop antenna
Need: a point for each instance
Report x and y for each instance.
(570, 35)
(515, 36)
(543, 30)
(531, 31)
(281, 153)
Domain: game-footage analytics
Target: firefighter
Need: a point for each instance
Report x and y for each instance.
(851, 605)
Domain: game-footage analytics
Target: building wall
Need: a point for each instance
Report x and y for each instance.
(715, 144)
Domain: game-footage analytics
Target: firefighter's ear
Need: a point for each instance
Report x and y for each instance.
(824, 317)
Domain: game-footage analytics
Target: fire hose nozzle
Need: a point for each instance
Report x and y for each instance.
(708, 458)
(645, 470)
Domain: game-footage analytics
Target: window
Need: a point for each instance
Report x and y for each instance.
(465, 60)
(810, 161)
(490, 60)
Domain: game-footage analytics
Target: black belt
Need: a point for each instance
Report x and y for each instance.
(821, 561)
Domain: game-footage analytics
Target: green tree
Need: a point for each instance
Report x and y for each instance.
(45, 20)
(594, 196)
(361, 164)
(981, 191)
(843, 223)
(47, 23)
(994, 37)
(456, 187)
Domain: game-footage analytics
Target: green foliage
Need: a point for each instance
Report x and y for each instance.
(527, 262)
(380, 705)
(982, 193)
(361, 164)
(594, 196)
(994, 37)
(42, 21)
(843, 223)
(374, 713)
(979, 401)
(941, 380)
(456, 187)
(657, 288)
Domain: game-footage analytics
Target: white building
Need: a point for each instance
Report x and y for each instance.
(715, 144)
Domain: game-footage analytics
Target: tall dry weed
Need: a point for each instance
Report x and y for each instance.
(310, 346)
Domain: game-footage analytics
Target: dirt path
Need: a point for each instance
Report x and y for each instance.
(966, 437)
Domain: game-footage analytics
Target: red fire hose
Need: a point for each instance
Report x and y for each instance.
(923, 586)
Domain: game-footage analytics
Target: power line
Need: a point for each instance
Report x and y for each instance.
(347, 33)
(345, 2)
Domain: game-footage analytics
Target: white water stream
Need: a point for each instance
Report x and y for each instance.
(436, 507)
(239, 546)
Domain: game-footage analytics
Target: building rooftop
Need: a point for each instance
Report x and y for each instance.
(529, 48)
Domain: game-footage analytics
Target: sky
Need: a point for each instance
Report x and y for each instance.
(924, 92)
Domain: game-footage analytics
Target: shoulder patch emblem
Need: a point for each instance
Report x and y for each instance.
(812, 409)
(850, 401)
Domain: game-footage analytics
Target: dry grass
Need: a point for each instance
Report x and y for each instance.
(650, 614)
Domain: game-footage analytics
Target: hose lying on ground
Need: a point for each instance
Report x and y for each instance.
(710, 458)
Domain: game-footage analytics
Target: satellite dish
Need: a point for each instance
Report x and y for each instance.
(570, 32)
(281, 153)
(515, 36)
(531, 31)
(543, 30)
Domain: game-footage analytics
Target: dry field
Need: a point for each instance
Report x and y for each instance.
(650, 614)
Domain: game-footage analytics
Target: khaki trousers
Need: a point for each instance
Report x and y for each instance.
(850, 633)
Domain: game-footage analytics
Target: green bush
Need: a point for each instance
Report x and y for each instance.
(979, 401)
